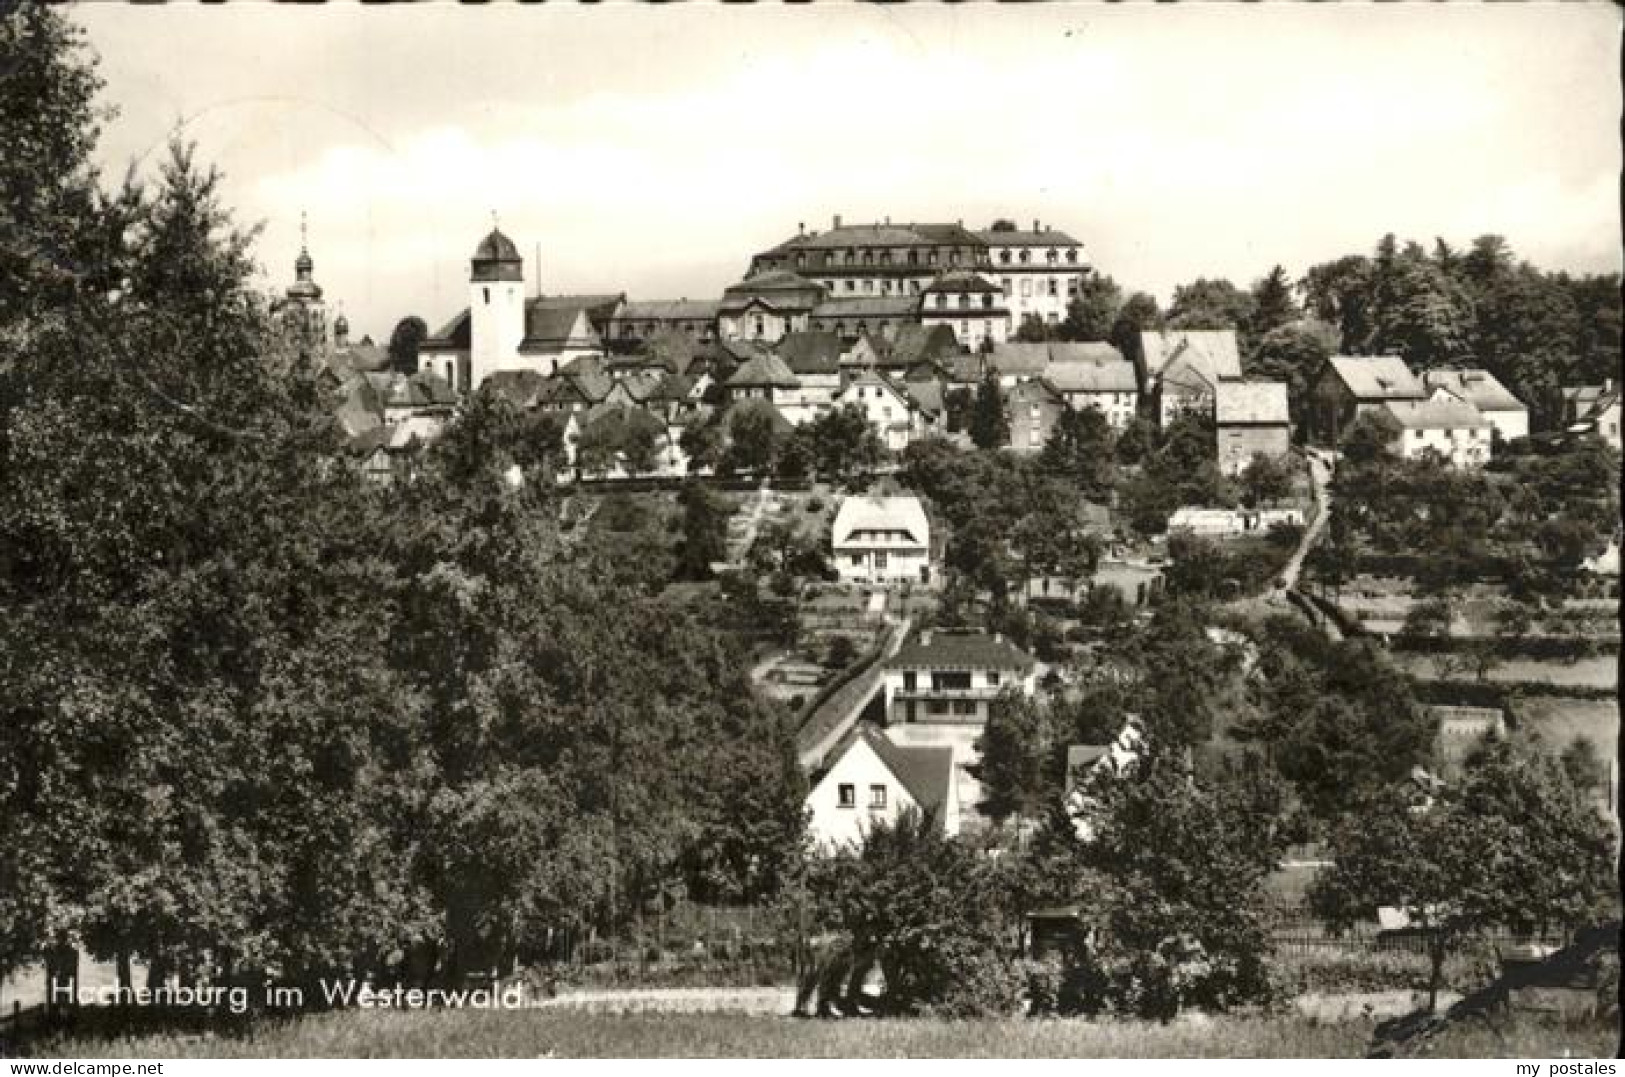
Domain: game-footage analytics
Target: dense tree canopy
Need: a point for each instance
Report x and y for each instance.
(262, 715)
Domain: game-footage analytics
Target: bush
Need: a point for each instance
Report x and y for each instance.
(815, 504)
(981, 984)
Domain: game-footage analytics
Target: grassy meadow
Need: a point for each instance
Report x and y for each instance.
(520, 1034)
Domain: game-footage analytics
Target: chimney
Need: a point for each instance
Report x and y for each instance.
(961, 222)
(1035, 225)
(888, 220)
(837, 223)
(801, 228)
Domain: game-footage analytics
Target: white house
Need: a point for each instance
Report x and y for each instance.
(948, 676)
(882, 540)
(1444, 424)
(1505, 412)
(1094, 375)
(895, 418)
(872, 781)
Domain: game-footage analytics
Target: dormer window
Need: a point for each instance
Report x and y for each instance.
(1072, 257)
(1026, 256)
(1052, 256)
(1004, 257)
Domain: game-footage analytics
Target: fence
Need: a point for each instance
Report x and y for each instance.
(689, 945)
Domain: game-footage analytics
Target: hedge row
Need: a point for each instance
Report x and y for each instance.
(1501, 694)
(1535, 647)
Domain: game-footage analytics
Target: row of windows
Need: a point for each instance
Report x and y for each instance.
(962, 301)
(848, 796)
(956, 680)
(852, 256)
(1052, 256)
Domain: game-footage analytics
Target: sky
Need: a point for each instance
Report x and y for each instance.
(653, 150)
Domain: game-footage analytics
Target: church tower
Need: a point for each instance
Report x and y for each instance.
(496, 305)
(301, 311)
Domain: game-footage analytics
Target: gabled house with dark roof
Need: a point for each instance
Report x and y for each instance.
(871, 781)
(1250, 418)
(764, 377)
(814, 358)
(1351, 386)
(915, 344)
(1033, 406)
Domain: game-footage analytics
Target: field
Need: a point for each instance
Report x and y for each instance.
(1559, 721)
(520, 1034)
(1599, 672)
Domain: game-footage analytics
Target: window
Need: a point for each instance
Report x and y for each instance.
(950, 680)
(1072, 257)
(857, 560)
(877, 798)
(1004, 258)
(987, 301)
(880, 559)
(487, 292)
(1027, 287)
(1026, 256)
(909, 680)
(851, 285)
(848, 795)
(1051, 256)
(1052, 288)
(965, 707)
(936, 706)
(993, 677)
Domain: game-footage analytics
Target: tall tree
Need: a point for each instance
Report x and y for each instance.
(1092, 312)
(404, 342)
(1138, 314)
(1273, 304)
(989, 421)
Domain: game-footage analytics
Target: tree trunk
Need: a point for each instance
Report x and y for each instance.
(126, 982)
(1436, 955)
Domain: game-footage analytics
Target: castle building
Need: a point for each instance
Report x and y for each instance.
(1038, 271)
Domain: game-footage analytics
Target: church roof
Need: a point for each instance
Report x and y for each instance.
(496, 247)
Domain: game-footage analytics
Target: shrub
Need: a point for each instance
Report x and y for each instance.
(815, 504)
(981, 984)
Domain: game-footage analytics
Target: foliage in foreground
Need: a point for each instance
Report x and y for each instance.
(465, 1034)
